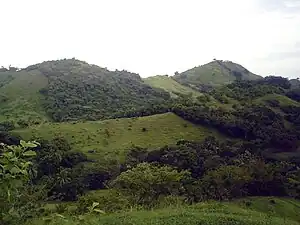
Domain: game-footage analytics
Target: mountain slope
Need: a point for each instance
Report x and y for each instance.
(214, 73)
(71, 90)
(111, 137)
(19, 96)
(170, 85)
(78, 90)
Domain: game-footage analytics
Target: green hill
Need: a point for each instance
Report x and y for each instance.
(214, 73)
(170, 85)
(70, 90)
(251, 211)
(113, 137)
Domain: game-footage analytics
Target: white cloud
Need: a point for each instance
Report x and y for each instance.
(152, 36)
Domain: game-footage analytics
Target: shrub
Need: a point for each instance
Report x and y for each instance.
(147, 182)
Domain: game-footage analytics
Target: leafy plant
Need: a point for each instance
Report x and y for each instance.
(16, 170)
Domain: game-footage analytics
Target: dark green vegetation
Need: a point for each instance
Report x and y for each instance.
(215, 73)
(77, 90)
(193, 159)
(71, 90)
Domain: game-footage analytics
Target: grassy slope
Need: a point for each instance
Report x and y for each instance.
(258, 211)
(283, 100)
(170, 85)
(114, 136)
(214, 73)
(23, 97)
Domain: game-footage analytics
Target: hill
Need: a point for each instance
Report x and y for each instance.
(114, 137)
(215, 73)
(251, 211)
(170, 85)
(71, 89)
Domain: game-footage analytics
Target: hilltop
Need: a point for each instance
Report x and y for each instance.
(215, 73)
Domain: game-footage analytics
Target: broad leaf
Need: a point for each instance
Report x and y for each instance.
(29, 153)
(99, 211)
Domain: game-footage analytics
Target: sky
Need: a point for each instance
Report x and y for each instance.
(152, 37)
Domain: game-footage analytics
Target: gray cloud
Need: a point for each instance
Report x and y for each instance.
(286, 6)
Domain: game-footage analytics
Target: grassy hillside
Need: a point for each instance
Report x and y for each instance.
(252, 211)
(214, 73)
(111, 137)
(170, 85)
(281, 99)
(20, 97)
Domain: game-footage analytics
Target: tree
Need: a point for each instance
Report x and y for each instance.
(146, 182)
(226, 182)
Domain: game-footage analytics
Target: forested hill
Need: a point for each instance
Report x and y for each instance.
(215, 73)
(71, 90)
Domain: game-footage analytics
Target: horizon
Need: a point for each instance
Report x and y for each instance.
(154, 37)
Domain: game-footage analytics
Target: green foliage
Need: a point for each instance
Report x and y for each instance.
(15, 172)
(77, 90)
(145, 183)
(109, 201)
(225, 182)
(7, 126)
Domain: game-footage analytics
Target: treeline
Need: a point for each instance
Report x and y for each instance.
(214, 170)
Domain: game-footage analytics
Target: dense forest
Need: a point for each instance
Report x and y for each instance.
(77, 90)
(258, 154)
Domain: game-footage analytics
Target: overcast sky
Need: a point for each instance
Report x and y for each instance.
(152, 37)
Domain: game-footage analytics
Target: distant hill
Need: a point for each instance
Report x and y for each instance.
(170, 85)
(295, 83)
(215, 73)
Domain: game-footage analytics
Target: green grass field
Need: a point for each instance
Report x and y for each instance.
(250, 211)
(170, 85)
(113, 137)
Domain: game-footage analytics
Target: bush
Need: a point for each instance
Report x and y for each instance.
(7, 126)
(147, 182)
(109, 201)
